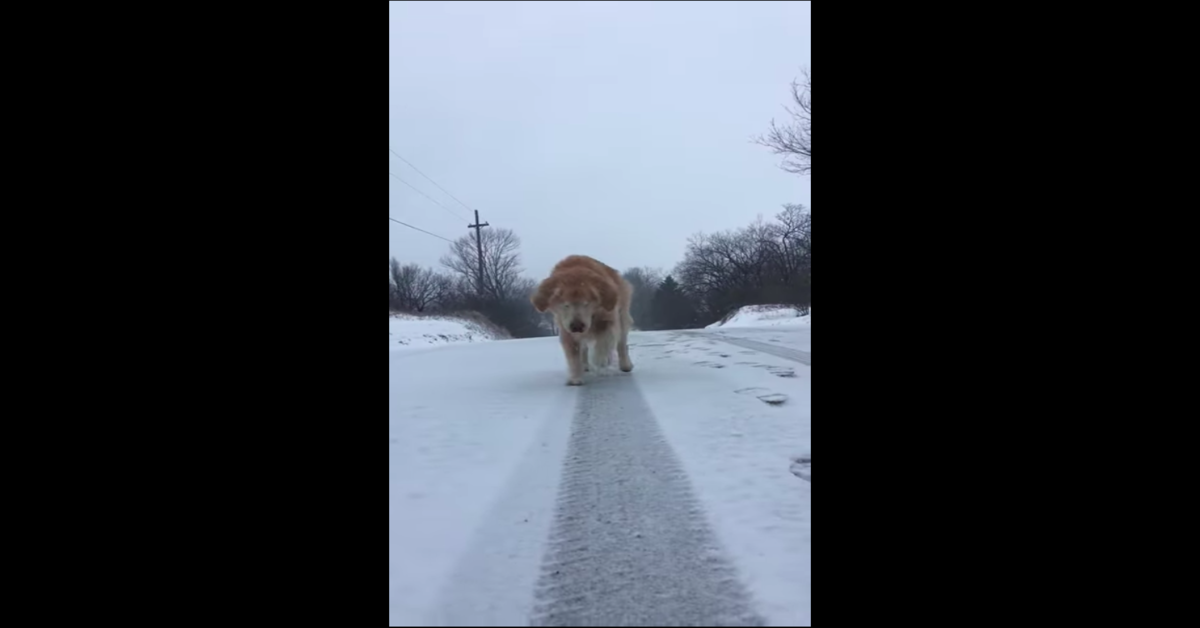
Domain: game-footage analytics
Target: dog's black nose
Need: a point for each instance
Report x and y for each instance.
(577, 327)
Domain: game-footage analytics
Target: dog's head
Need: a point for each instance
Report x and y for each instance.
(573, 296)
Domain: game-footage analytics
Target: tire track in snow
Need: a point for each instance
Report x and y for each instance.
(630, 545)
(492, 582)
(803, 357)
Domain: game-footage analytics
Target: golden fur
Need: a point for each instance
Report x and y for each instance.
(590, 303)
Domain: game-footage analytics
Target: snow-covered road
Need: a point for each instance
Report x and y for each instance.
(677, 494)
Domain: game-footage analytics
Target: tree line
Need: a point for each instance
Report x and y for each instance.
(501, 294)
(766, 262)
(763, 263)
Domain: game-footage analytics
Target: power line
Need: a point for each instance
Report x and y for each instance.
(419, 229)
(430, 180)
(428, 197)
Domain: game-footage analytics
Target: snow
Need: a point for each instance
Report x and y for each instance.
(738, 449)
(765, 316)
(797, 337)
(479, 436)
(409, 331)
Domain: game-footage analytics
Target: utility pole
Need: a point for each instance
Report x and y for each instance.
(478, 247)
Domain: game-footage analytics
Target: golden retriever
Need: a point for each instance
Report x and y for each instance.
(590, 304)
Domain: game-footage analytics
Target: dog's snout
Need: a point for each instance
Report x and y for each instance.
(577, 327)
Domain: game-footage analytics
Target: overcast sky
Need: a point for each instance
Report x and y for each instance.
(610, 129)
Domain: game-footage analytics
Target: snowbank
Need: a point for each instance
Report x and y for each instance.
(406, 331)
(764, 316)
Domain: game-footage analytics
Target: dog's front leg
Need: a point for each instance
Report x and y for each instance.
(573, 352)
(623, 342)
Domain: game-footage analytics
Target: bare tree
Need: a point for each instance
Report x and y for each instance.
(758, 264)
(501, 262)
(794, 140)
(788, 244)
(504, 298)
(416, 289)
(726, 269)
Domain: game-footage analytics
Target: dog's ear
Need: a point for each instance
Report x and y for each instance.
(608, 295)
(541, 298)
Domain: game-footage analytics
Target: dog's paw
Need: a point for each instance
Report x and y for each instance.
(575, 381)
(627, 367)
